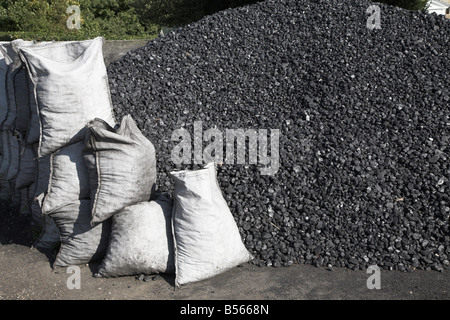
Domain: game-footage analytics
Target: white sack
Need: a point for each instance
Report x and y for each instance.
(70, 89)
(123, 170)
(141, 240)
(69, 179)
(206, 237)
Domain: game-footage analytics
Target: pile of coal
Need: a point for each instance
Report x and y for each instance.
(362, 112)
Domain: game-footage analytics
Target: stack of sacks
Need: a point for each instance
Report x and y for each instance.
(195, 236)
(19, 128)
(91, 182)
(113, 168)
(122, 170)
(27, 176)
(23, 175)
(37, 124)
(70, 87)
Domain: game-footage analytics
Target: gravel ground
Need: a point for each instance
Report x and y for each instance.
(27, 275)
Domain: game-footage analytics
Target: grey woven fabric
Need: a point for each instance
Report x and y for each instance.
(27, 166)
(81, 243)
(22, 101)
(3, 93)
(5, 154)
(24, 94)
(5, 190)
(39, 188)
(207, 239)
(7, 103)
(11, 148)
(69, 179)
(141, 240)
(49, 237)
(123, 171)
(71, 88)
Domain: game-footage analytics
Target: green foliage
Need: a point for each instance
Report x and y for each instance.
(21, 15)
(112, 19)
(47, 20)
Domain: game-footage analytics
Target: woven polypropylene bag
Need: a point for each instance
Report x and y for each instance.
(39, 189)
(22, 101)
(49, 238)
(207, 240)
(69, 179)
(141, 240)
(5, 190)
(5, 156)
(7, 70)
(16, 88)
(10, 155)
(27, 166)
(70, 89)
(122, 167)
(81, 242)
(3, 93)
(27, 118)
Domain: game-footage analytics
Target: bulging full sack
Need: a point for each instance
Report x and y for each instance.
(206, 237)
(141, 240)
(69, 179)
(121, 164)
(71, 88)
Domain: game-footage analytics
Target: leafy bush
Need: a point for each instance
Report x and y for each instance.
(47, 19)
